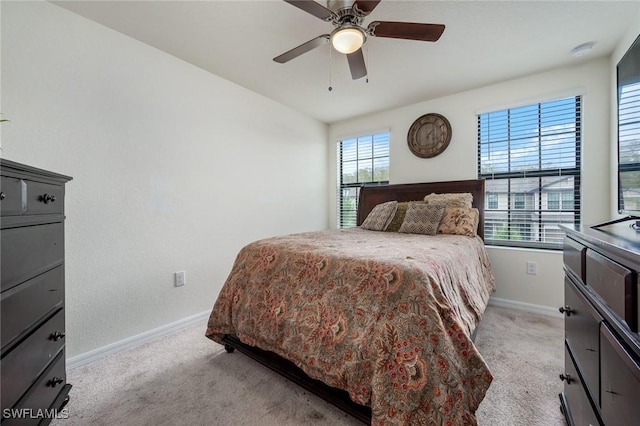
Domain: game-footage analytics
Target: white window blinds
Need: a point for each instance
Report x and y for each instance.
(530, 158)
(629, 146)
(361, 160)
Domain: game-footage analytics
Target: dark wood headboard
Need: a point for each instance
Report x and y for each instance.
(370, 196)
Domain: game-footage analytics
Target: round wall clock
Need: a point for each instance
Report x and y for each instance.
(429, 135)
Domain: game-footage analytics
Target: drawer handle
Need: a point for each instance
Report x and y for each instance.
(567, 378)
(46, 198)
(2, 196)
(56, 336)
(55, 382)
(566, 309)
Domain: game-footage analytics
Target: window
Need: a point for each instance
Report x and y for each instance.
(553, 201)
(530, 158)
(361, 160)
(492, 200)
(560, 200)
(628, 144)
(567, 200)
(518, 201)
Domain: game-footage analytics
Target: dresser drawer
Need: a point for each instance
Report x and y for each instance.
(620, 382)
(43, 393)
(614, 284)
(582, 333)
(580, 409)
(13, 197)
(26, 304)
(20, 367)
(44, 198)
(30, 251)
(574, 255)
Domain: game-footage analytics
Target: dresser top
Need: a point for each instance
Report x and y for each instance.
(620, 238)
(11, 168)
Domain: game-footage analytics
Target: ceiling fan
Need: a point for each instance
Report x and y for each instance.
(349, 35)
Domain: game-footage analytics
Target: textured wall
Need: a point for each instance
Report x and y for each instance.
(174, 168)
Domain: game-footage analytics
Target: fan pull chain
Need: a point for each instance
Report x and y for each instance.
(330, 66)
(366, 61)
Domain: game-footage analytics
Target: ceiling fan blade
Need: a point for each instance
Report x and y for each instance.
(365, 7)
(356, 64)
(406, 30)
(313, 8)
(303, 48)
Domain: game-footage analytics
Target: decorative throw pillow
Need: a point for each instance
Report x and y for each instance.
(460, 221)
(380, 216)
(451, 199)
(398, 218)
(422, 219)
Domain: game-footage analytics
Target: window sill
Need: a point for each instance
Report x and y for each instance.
(527, 249)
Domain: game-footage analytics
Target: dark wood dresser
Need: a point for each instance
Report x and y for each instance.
(602, 343)
(34, 384)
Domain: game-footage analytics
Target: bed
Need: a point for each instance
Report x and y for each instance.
(378, 323)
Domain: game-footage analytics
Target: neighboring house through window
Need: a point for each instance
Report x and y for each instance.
(530, 158)
(361, 160)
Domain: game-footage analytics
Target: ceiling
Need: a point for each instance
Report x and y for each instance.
(484, 42)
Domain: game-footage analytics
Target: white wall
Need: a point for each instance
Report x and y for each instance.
(173, 168)
(459, 161)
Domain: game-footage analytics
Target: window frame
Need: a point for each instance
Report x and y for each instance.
(350, 220)
(628, 128)
(513, 222)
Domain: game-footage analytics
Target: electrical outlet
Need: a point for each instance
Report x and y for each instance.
(181, 278)
(532, 268)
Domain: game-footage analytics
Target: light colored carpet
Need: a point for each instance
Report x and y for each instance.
(186, 379)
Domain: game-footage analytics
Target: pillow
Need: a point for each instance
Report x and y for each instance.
(380, 216)
(460, 221)
(422, 219)
(451, 199)
(398, 218)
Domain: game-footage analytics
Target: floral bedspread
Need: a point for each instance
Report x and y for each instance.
(385, 316)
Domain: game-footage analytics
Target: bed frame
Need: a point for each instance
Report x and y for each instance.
(370, 196)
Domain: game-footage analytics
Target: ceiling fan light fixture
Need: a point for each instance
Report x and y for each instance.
(349, 35)
(347, 40)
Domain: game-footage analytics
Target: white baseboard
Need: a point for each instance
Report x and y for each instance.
(536, 309)
(137, 340)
